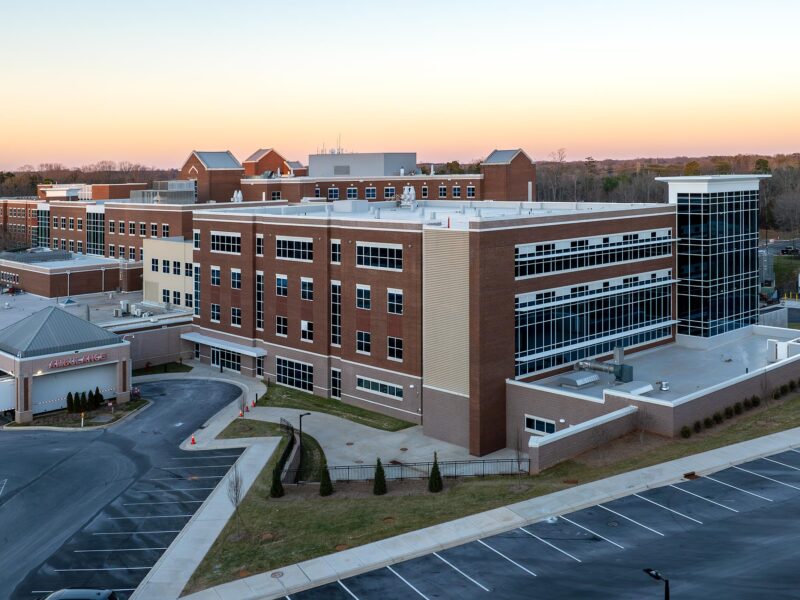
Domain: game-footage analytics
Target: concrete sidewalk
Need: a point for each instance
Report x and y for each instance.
(325, 569)
(175, 567)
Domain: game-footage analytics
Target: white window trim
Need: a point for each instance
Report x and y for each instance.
(261, 237)
(535, 431)
(395, 398)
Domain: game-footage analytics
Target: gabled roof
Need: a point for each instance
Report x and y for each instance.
(53, 330)
(294, 164)
(217, 160)
(503, 157)
(258, 155)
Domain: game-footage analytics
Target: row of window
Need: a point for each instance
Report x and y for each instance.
(175, 298)
(73, 247)
(389, 192)
(216, 277)
(236, 315)
(64, 222)
(131, 255)
(173, 267)
(132, 229)
(20, 212)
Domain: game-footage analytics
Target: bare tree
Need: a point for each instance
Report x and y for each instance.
(235, 495)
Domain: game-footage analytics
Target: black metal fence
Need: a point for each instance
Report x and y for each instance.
(422, 470)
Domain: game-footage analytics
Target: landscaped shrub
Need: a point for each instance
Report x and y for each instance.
(784, 389)
(717, 417)
(737, 408)
(686, 432)
(728, 412)
(435, 478)
(276, 489)
(776, 393)
(379, 485)
(755, 400)
(84, 402)
(98, 395)
(698, 427)
(325, 485)
(708, 422)
(792, 385)
(90, 398)
(747, 404)
(70, 403)
(81, 405)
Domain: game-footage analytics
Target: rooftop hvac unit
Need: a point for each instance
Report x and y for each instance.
(117, 312)
(137, 312)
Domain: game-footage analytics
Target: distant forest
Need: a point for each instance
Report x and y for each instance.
(558, 180)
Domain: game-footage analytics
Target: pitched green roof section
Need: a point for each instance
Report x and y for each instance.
(50, 331)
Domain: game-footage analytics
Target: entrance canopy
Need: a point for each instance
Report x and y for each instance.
(206, 340)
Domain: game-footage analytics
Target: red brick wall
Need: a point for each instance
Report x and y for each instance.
(115, 191)
(509, 182)
(271, 161)
(68, 210)
(217, 185)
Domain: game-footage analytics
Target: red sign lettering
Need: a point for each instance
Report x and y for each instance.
(74, 361)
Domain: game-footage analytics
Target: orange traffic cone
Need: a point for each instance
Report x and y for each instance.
(254, 403)
(241, 414)
(193, 442)
(246, 408)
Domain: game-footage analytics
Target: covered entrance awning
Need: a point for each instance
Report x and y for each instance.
(206, 340)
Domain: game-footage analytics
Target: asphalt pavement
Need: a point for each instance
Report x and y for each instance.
(97, 508)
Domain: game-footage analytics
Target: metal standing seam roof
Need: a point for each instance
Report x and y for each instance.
(256, 156)
(294, 164)
(218, 160)
(501, 157)
(53, 330)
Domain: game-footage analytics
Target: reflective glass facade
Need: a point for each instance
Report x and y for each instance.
(717, 261)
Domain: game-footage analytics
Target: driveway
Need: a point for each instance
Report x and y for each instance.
(97, 508)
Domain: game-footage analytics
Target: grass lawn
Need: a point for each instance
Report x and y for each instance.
(786, 270)
(242, 428)
(303, 525)
(170, 367)
(285, 397)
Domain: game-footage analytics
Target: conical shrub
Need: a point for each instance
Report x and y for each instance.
(435, 478)
(379, 485)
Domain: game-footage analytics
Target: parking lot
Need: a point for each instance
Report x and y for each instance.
(97, 509)
(732, 534)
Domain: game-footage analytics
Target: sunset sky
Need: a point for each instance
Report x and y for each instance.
(150, 80)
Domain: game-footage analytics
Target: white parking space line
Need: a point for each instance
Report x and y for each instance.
(554, 547)
(513, 562)
(703, 498)
(631, 520)
(344, 587)
(135, 532)
(170, 502)
(404, 580)
(777, 462)
(765, 477)
(149, 517)
(184, 478)
(593, 533)
(194, 467)
(737, 488)
(104, 569)
(119, 550)
(114, 590)
(793, 450)
(455, 568)
(203, 457)
(3, 486)
(680, 514)
(170, 491)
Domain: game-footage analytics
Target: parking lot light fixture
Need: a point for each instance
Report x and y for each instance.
(659, 577)
(300, 464)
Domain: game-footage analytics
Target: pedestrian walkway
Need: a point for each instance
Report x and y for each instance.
(334, 567)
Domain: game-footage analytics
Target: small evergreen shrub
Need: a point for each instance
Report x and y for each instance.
(776, 393)
(784, 389)
(737, 408)
(686, 432)
(325, 485)
(379, 485)
(276, 489)
(717, 417)
(85, 402)
(698, 427)
(435, 479)
(747, 404)
(755, 400)
(90, 398)
(728, 412)
(70, 403)
(708, 422)
(792, 385)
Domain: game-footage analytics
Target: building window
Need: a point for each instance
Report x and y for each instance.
(196, 239)
(389, 193)
(281, 285)
(236, 279)
(165, 230)
(394, 301)
(317, 193)
(424, 192)
(539, 426)
(352, 193)
(470, 191)
(143, 229)
(236, 317)
(164, 265)
(281, 326)
(154, 265)
(80, 224)
(395, 348)
(227, 359)
(64, 223)
(55, 224)
(336, 252)
(132, 254)
(154, 230)
(456, 191)
(259, 366)
(363, 297)
(276, 195)
(215, 276)
(141, 254)
(379, 387)
(196, 289)
(187, 269)
(442, 191)
(301, 249)
(363, 342)
(176, 298)
(188, 301)
(226, 243)
(307, 331)
(112, 228)
(379, 256)
(112, 250)
(165, 296)
(215, 313)
(333, 193)
(259, 245)
(176, 267)
(336, 383)
(80, 247)
(306, 288)
(295, 374)
(336, 313)
(259, 301)
(370, 193)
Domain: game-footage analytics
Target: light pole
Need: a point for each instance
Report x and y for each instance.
(300, 463)
(659, 577)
